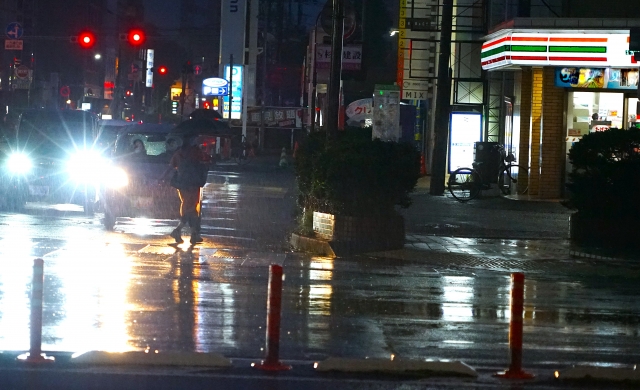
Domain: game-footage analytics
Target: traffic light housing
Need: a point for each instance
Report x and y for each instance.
(85, 39)
(136, 37)
(187, 67)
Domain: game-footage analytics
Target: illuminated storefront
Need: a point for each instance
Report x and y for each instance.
(590, 74)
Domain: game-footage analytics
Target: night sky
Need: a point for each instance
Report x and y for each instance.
(165, 14)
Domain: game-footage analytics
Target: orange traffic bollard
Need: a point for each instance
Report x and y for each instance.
(515, 330)
(35, 354)
(274, 307)
(295, 149)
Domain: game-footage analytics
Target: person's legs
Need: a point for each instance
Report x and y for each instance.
(191, 208)
(176, 234)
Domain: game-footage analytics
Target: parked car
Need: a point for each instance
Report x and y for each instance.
(50, 157)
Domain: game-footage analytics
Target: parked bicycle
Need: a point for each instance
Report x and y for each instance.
(466, 183)
(242, 152)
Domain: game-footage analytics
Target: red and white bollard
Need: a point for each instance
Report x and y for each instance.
(35, 354)
(274, 307)
(515, 330)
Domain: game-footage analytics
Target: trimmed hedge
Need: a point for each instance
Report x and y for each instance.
(605, 179)
(355, 175)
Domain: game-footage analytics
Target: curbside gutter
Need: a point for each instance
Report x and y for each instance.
(396, 366)
(609, 374)
(151, 358)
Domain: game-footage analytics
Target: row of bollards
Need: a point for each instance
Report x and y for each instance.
(274, 309)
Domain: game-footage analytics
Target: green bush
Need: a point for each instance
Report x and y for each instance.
(605, 180)
(354, 175)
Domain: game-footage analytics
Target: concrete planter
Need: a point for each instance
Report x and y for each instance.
(349, 235)
(603, 231)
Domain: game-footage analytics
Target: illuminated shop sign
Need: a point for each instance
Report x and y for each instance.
(512, 49)
(596, 78)
(466, 129)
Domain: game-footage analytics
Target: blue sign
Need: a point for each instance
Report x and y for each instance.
(236, 89)
(215, 91)
(215, 87)
(14, 30)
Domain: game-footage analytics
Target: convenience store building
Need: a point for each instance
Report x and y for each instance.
(570, 77)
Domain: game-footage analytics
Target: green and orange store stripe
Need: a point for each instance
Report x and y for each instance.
(532, 49)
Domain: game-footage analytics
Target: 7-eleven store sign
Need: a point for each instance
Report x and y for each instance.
(512, 49)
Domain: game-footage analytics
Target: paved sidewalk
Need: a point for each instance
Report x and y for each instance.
(491, 226)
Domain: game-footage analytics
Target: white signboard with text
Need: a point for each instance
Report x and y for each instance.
(466, 129)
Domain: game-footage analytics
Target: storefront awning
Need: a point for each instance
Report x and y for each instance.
(515, 48)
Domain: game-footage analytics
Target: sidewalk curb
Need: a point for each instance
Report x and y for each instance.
(311, 245)
(600, 373)
(397, 366)
(151, 358)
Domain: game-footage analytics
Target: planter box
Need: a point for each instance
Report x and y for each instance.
(349, 235)
(603, 232)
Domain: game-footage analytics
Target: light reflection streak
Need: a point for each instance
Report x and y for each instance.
(15, 284)
(320, 294)
(93, 294)
(319, 307)
(457, 298)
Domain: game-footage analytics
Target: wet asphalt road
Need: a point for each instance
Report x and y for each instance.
(129, 290)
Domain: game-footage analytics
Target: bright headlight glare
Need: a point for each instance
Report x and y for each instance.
(115, 178)
(19, 163)
(86, 165)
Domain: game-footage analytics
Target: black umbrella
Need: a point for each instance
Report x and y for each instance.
(203, 127)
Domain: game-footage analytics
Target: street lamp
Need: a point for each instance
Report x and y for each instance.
(97, 56)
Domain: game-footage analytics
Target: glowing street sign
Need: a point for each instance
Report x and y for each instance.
(236, 92)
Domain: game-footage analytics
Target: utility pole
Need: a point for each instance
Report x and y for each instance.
(443, 103)
(230, 85)
(333, 96)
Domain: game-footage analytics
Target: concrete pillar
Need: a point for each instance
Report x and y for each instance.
(526, 80)
(552, 145)
(536, 130)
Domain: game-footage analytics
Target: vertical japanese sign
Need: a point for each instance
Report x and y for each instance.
(235, 90)
(232, 31)
(386, 113)
(149, 79)
(416, 48)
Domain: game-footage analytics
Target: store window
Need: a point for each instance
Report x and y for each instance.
(596, 111)
(634, 118)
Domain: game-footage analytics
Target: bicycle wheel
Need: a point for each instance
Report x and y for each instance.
(465, 184)
(509, 182)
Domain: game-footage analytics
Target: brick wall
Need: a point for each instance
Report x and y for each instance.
(552, 160)
(525, 121)
(536, 129)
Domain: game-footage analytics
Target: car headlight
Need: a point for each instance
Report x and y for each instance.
(86, 166)
(19, 163)
(115, 177)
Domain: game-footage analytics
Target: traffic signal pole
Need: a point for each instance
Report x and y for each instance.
(230, 84)
(443, 103)
(333, 96)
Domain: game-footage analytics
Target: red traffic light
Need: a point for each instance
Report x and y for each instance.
(162, 70)
(136, 37)
(86, 39)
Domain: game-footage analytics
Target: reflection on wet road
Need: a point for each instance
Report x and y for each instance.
(129, 290)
